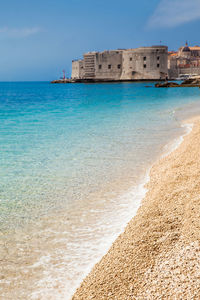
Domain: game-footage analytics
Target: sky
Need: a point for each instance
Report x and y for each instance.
(38, 39)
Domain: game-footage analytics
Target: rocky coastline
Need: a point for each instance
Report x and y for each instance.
(191, 82)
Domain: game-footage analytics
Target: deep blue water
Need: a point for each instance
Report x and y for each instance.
(69, 150)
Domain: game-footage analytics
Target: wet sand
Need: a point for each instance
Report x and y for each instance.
(158, 255)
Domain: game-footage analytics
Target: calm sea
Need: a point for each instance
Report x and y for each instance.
(73, 160)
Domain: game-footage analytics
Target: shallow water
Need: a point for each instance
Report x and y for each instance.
(72, 160)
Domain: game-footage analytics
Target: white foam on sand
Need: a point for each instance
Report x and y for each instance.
(170, 147)
(128, 205)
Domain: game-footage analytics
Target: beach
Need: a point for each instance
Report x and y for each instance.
(74, 163)
(158, 254)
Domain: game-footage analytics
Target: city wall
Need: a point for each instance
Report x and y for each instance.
(175, 73)
(146, 63)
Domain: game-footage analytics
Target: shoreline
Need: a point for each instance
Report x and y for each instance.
(137, 193)
(105, 280)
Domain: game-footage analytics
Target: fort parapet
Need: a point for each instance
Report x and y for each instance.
(145, 63)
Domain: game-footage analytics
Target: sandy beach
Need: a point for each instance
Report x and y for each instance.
(158, 255)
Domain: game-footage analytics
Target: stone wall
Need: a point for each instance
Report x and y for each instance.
(145, 63)
(176, 72)
(89, 63)
(173, 73)
(191, 70)
(81, 69)
(108, 65)
(77, 69)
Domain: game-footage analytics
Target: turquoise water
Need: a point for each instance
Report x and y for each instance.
(72, 158)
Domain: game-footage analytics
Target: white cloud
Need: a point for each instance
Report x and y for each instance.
(171, 13)
(6, 32)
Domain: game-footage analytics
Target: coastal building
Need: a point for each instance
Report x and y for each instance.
(145, 63)
(186, 61)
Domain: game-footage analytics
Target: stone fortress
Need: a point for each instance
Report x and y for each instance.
(145, 63)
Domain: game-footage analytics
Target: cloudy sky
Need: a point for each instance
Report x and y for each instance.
(38, 39)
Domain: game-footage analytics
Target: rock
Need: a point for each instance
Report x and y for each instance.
(195, 82)
(186, 83)
(67, 80)
(167, 84)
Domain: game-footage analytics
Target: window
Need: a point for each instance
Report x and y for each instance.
(109, 66)
(119, 66)
(144, 58)
(99, 67)
(133, 72)
(145, 66)
(158, 65)
(131, 58)
(158, 57)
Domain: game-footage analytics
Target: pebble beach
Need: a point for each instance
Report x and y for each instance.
(158, 254)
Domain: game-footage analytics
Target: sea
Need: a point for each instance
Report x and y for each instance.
(74, 160)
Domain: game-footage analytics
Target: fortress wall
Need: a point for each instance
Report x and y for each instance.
(172, 63)
(176, 72)
(108, 65)
(191, 70)
(89, 63)
(77, 69)
(173, 73)
(145, 63)
(81, 69)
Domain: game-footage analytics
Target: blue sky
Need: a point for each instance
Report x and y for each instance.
(38, 39)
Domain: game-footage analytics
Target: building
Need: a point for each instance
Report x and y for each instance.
(185, 61)
(145, 63)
